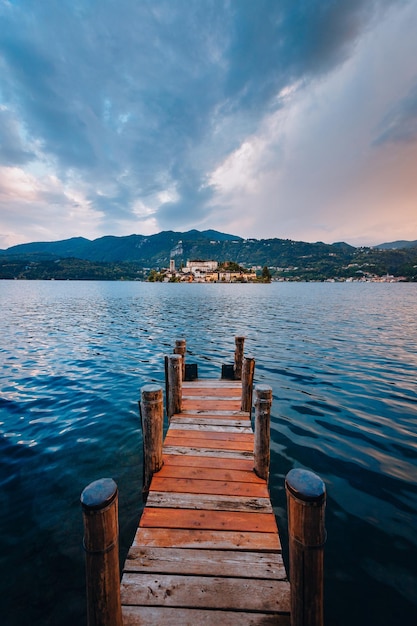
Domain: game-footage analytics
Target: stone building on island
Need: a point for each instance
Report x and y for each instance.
(204, 272)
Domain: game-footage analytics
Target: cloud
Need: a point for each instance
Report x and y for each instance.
(13, 150)
(400, 123)
(33, 205)
(176, 114)
(312, 171)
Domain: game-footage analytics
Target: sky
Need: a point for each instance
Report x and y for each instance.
(294, 119)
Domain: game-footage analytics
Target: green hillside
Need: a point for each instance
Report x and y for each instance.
(131, 257)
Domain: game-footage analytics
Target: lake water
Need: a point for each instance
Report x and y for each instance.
(341, 360)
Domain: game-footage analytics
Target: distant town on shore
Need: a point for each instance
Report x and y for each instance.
(208, 256)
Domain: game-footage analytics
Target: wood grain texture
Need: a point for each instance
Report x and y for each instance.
(205, 592)
(189, 561)
(190, 485)
(212, 452)
(165, 616)
(220, 441)
(207, 404)
(211, 383)
(208, 502)
(179, 421)
(191, 460)
(210, 473)
(211, 539)
(218, 392)
(208, 520)
(218, 412)
(204, 426)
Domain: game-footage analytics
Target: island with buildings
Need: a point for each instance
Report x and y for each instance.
(198, 271)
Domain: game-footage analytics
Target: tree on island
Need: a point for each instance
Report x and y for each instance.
(266, 275)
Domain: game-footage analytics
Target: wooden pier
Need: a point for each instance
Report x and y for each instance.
(207, 549)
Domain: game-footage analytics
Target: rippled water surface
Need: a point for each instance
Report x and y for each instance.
(342, 363)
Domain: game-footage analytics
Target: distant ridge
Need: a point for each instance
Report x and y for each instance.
(131, 257)
(157, 250)
(396, 245)
(135, 255)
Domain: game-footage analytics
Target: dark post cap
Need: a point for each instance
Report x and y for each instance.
(175, 357)
(99, 494)
(305, 485)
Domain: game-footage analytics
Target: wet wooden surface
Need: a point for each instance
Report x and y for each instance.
(207, 549)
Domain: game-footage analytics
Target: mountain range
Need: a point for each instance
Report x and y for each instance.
(293, 259)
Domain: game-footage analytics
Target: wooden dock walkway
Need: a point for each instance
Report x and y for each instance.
(207, 550)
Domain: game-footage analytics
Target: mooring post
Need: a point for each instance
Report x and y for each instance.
(261, 451)
(99, 502)
(181, 348)
(306, 501)
(174, 384)
(239, 343)
(248, 369)
(152, 414)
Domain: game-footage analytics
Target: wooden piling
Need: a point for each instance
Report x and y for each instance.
(174, 384)
(181, 348)
(306, 499)
(152, 414)
(99, 502)
(248, 370)
(239, 343)
(261, 451)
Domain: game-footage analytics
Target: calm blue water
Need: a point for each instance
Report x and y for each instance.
(342, 362)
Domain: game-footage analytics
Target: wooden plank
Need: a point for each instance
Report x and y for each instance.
(207, 404)
(211, 435)
(208, 443)
(189, 485)
(210, 473)
(206, 562)
(207, 427)
(166, 616)
(214, 413)
(211, 383)
(204, 592)
(221, 400)
(213, 452)
(208, 520)
(208, 461)
(210, 421)
(212, 392)
(208, 502)
(211, 539)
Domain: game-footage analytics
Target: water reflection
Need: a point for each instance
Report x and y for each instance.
(340, 359)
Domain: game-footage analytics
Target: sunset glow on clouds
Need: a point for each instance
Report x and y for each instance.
(262, 119)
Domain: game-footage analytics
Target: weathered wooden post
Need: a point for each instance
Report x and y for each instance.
(248, 369)
(174, 384)
(239, 343)
(306, 500)
(152, 415)
(261, 451)
(181, 348)
(99, 502)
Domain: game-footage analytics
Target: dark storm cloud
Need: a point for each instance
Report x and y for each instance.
(141, 97)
